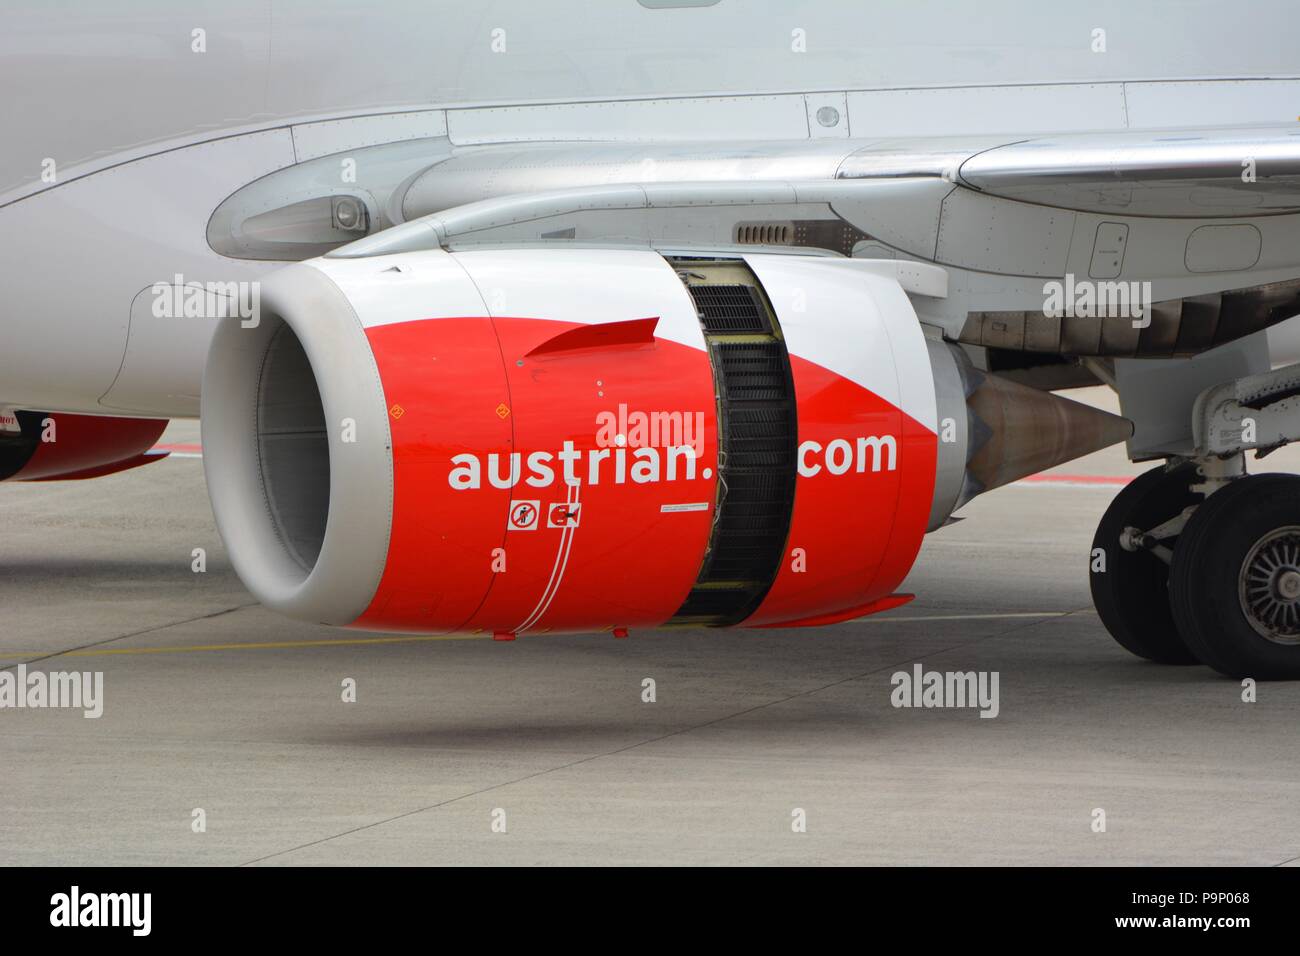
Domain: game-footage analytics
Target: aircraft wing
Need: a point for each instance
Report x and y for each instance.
(1207, 221)
(1198, 173)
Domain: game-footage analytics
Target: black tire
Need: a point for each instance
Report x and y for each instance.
(1206, 577)
(1130, 594)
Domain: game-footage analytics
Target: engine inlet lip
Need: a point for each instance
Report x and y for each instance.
(342, 581)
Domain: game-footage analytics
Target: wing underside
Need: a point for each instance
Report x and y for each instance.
(1204, 224)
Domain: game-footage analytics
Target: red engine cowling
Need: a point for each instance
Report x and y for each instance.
(528, 440)
(58, 446)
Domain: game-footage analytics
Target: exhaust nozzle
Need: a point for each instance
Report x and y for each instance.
(994, 431)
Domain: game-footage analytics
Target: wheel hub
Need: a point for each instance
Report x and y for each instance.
(1269, 586)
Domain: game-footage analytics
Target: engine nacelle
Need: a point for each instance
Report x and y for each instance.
(527, 440)
(58, 446)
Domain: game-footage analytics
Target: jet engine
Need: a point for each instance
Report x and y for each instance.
(518, 440)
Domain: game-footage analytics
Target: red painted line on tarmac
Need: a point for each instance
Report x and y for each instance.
(181, 447)
(1047, 477)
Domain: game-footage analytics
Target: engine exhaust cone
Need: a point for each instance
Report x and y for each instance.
(1016, 431)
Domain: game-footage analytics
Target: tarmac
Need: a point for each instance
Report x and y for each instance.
(225, 737)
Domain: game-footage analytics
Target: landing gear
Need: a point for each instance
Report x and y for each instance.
(1129, 584)
(1181, 578)
(1234, 585)
(1202, 561)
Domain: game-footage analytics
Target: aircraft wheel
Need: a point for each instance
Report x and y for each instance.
(1234, 585)
(1129, 587)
